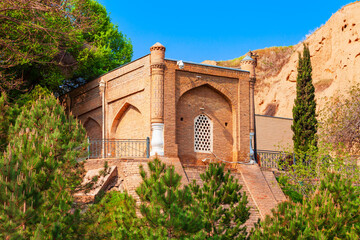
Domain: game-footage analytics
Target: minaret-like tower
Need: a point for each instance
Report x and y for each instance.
(248, 64)
(157, 66)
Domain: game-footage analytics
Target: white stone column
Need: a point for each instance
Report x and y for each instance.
(157, 139)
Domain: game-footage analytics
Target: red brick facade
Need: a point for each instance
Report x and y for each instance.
(156, 90)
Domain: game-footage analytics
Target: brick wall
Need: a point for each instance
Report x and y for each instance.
(273, 133)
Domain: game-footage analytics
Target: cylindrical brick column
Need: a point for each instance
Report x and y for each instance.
(157, 57)
(249, 64)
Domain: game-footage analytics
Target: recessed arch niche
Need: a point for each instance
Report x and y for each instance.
(128, 123)
(208, 101)
(93, 128)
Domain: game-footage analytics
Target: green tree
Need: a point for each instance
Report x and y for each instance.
(340, 119)
(223, 204)
(57, 43)
(304, 111)
(39, 173)
(332, 212)
(169, 211)
(114, 217)
(4, 122)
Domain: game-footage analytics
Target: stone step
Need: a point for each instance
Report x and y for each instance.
(193, 173)
(259, 188)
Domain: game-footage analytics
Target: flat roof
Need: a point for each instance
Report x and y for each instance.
(208, 65)
(273, 117)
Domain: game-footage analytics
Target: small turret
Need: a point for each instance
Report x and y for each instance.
(157, 54)
(249, 64)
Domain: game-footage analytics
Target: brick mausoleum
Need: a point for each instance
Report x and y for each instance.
(191, 113)
(188, 110)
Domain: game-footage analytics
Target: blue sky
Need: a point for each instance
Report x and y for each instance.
(217, 30)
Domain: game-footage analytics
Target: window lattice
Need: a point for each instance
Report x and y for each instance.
(203, 134)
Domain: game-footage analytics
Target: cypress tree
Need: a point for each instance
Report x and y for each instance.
(39, 172)
(222, 202)
(304, 111)
(169, 210)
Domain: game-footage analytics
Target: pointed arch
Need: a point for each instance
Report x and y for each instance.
(93, 128)
(134, 118)
(218, 88)
(204, 124)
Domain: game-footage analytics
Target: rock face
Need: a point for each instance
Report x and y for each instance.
(335, 57)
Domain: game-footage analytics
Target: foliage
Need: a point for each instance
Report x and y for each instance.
(332, 212)
(301, 178)
(224, 206)
(11, 110)
(169, 211)
(4, 122)
(114, 217)
(57, 43)
(304, 123)
(269, 64)
(39, 173)
(288, 189)
(341, 121)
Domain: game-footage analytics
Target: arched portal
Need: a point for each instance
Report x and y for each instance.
(215, 112)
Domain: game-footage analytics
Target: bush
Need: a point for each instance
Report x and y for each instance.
(331, 212)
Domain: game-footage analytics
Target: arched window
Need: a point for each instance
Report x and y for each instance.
(203, 134)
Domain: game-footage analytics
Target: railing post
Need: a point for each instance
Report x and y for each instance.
(147, 147)
(103, 149)
(88, 148)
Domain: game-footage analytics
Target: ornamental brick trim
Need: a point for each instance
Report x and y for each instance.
(248, 62)
(159, 48)
(157, 66)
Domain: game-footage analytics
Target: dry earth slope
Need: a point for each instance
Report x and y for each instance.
(335, 57)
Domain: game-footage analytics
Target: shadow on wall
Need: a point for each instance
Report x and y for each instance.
(271, 109)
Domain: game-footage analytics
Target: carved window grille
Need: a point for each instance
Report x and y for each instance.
(203, 134)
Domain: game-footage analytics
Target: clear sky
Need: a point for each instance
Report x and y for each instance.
(200, 30)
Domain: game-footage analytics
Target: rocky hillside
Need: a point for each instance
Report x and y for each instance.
(335, 57)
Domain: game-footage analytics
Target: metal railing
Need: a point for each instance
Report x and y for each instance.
(281, 160)
(269, 159)
(119, 148)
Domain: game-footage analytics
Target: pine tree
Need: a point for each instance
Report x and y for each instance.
(4, 122)
(39, 173)
(332, 212)
(224, 206)
(168, 209)
(114, 217)
(304, 115)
